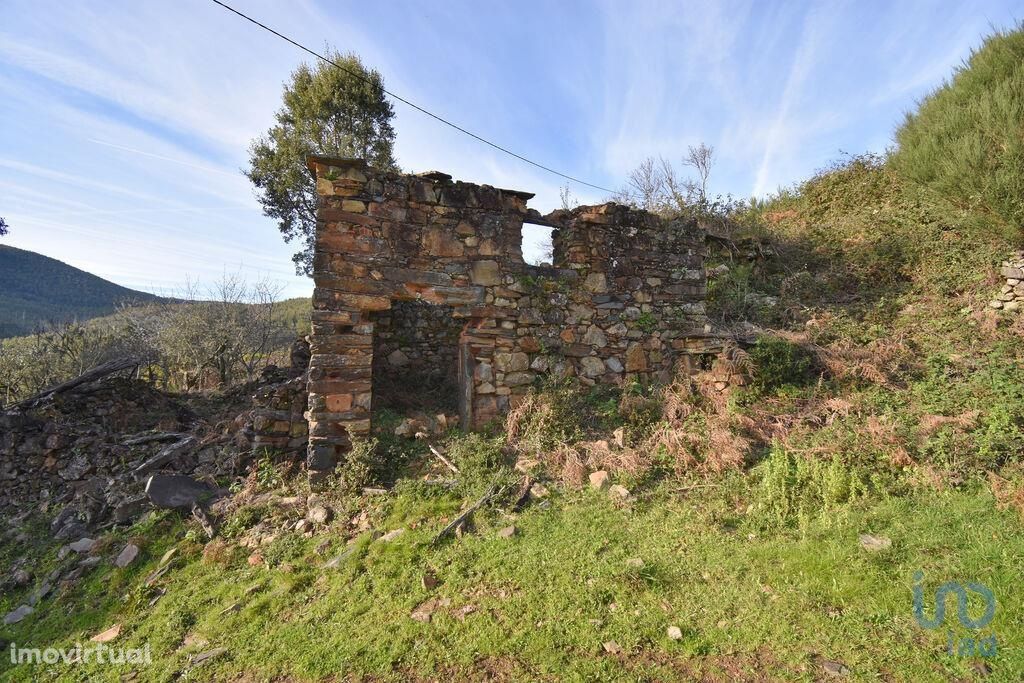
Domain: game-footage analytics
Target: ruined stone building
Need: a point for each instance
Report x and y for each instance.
(421, 286)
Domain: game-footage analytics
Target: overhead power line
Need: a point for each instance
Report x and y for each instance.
(411, 104)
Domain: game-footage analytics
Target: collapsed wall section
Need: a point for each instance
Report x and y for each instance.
(623, 299)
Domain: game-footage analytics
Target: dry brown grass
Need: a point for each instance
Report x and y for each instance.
(1009, 494)
(987, 323)
(218, 552)
(533, 427)
(570, 463)
(527, 419)
(882, 361)
(930, 424)
(712, 444)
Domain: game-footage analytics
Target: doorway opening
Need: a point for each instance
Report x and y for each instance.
(416, 359)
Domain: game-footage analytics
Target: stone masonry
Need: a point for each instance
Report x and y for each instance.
(624, 299)
(1011, 295)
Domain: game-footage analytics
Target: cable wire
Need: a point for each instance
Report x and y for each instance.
(411, 104)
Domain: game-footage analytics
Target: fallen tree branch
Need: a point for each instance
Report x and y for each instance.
(152, 438)
(166, 454)
(458, 521)
(96, 373)
(443, 459)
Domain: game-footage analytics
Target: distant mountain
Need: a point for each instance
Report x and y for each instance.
(36, 289)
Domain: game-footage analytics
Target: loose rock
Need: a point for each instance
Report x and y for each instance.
(108, 635)
(875, 543)
(319, 515)
(83, 545)
(599, 480)
(14, 616)
(208, 655)
(127, 555)
(619, 491)
(835, 669)
(177, 491)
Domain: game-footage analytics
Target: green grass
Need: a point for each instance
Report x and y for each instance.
(749, 602)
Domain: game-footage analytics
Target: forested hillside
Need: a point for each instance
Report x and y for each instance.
(36, 289)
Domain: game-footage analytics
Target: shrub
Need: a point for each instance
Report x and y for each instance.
(966, 139)
(795, 488)
(550, 417)
(779, 363)
(361, 467)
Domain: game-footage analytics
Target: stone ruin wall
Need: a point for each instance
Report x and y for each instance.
(624, 299)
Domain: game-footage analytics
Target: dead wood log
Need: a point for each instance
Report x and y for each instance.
(97, 373)
(166, 454)
(152, 438)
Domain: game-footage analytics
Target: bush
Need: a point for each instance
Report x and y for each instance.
(778, 364)
(966, 140)
(796, 489)
(362, 466)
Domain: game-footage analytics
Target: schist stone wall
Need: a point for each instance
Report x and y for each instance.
(625, 297)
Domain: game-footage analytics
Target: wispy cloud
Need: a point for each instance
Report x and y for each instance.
(126, 123)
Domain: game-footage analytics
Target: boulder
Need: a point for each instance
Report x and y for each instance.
(177, 491)
(14, 616)
(83, 545)
(507, 532)
(319, 515)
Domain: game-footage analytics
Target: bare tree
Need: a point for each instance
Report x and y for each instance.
(568, 201)
(646, 187)
(700, 159)
(217, 335)
(657, 186)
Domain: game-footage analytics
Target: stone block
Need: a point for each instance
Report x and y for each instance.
(485, 273)
(596, 283)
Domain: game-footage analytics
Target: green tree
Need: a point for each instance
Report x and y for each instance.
(327, 110)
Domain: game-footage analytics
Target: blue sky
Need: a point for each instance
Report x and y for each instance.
(123, 125)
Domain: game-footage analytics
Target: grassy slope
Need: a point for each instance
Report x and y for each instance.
(890, 402)
(750, 605)
(36, 289)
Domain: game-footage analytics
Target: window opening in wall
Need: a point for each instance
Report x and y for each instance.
(537, 244)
